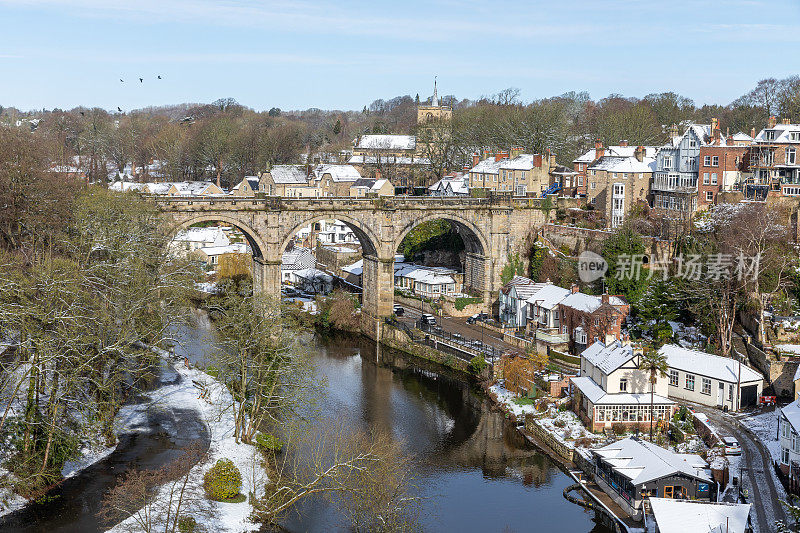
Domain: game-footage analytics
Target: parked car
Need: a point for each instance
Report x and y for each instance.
(398, 310)
(457, 336)
(477, 317)
(731, 446)
(428, 320)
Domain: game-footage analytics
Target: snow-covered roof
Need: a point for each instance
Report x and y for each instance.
(704, 364)
(288, 174)
(297, 259)
(356, 268)
(313, 273)
(521, 162)
(338, 173)
(251, 180)
(388, 159)
(157, 188)
(624, 164)
(423, 274)
(642, 461)
(187, 188)
(619, 151)
(686, 516)
(523, 287)
(741, 137)
(212, 235)
(457, 184)
(782, 133)
(123, 186)
(609, 357)
(487, 166)
(598, 396)
(588, 303)
(387, 142)
(548, 296)
(792, 413)
(235, 248)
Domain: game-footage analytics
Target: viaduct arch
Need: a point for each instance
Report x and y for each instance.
(491, 230)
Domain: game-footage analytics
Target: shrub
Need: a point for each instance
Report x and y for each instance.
(462, 302)
(268, 443)
(222, 481)
(477, 364)
(559, 423)
(187, 524)
(619, 429)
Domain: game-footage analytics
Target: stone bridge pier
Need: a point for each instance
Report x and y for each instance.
(491, 230)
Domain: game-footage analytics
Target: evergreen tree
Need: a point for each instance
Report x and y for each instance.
(623, 251)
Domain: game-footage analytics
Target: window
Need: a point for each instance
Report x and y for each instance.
(715, 161)
(667, 164)
(689, 382)
(580, 181)
(596, 321)
(791, 157)
(707, 161)
(623, 385)
(673, 378)
(705, 178)
(706, 386)
(794, 136)
(713, 178)
(619, 189)
(769, 135)
(785, 456)
(730, 393)
(692, 143)
(709, 196)
(593, 186)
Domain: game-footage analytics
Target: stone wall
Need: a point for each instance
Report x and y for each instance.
(573, 241)
(541, 434)
(778, 374)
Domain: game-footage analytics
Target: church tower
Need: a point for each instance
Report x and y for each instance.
(433, 112)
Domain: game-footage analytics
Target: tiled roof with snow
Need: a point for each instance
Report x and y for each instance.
(387, 142)
(782, 133)
(123, 186)
(313, 273)
(792, 413)
(185, 188)
(686, 516)
(288, 174)
(704, 364)
(588, 303)
(624, 164)
(598, 396)
(338, 173)
(235, 248)
(388, 159)
(642, 461)
(548, 296)
(521, 162)
(297, 259)
(487, 166)
(610, 357)
(212, 235)
(619, 151)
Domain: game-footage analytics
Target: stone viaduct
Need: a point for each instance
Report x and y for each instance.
(491, 229)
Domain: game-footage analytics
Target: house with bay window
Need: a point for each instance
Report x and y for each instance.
(711, 380)
(613, 388)
(514, 300)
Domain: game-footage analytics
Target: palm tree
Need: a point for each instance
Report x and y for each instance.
(656, 363)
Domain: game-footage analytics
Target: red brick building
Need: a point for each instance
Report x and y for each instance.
(587, 319)
(722, 167)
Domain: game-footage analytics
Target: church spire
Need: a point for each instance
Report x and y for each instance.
(435, 99)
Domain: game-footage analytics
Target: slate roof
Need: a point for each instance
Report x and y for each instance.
(610, 357)
(288, 174)
(598, 396)
(642, 461)
(687, 516)
(711, 366)
(387, 142)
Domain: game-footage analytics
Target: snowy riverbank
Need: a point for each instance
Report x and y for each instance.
(213, 409)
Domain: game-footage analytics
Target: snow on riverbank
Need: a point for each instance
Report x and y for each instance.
(212, 410)
(89, 455)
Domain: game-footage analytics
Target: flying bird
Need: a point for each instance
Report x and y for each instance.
(121, 80)
(159, 77)
(119, 109)
(141, 80)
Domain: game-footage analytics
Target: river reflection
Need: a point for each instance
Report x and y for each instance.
(475, 472)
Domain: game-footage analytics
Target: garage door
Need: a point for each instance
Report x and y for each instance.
(749, 394)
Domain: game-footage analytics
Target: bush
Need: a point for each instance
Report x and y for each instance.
(619, 429)
(223, 480)
(268, 443)
(477, 364)
(461, 302)
(187, 524)
(559, 423)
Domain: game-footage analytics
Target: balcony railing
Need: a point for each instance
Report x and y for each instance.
(552, 338)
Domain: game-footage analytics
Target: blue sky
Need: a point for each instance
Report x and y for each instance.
(342, 54)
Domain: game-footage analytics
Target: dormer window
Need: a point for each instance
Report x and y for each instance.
(769, 135)
(794, 136)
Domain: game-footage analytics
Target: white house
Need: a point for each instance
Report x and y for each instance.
(457, 185)
(543, 307)
(688, 516)
(514, 300)
(710, 379)
(297, 259)
(194, 238)
(211, 254)
(613, 389)
(431, 282)
(314, 281)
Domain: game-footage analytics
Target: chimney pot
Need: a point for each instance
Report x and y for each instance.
(753, 133)
(574, 288)
(785, 121)
(623, 142)
(604, 298)
(772, 121)
(476, 158)
(639, 153)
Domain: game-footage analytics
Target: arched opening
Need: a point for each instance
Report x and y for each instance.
(441, 268)
(223, 249)
(323, 255)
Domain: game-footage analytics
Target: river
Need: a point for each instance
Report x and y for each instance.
(474, 471)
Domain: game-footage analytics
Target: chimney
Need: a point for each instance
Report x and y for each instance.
(772, 122)
(598, 149)
(604, 298)
(639, 153)
(753, 133)
(574, 288)
(499, 156)
(673, 131)
(552, 159)
(515, 151)
(728, 138)
(623, 142)
(476, 158)
(486, 153)
(785, 121)
(537, 160)
(715, 132)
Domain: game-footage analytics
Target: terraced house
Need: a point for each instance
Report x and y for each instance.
(774, 161)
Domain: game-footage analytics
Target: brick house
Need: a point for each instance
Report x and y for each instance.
(586, 319)
(723, 167)
(579, 183)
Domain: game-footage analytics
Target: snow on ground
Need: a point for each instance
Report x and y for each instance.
(90, 453)
(307, 304)
(565, 426)
(209, 287)
(186, 395)
(765, 426)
